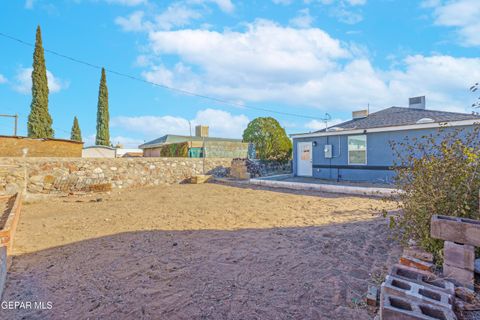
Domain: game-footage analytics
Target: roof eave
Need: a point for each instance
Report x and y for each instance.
(389, 128)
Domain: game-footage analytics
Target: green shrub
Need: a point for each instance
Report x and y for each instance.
(270, 139)
(439, 174)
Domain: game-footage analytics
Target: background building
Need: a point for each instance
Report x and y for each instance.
(360, 150)
(198, 146)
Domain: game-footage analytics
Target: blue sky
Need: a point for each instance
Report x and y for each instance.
(305, 57)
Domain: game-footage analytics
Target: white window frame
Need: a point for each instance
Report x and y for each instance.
(348, 149)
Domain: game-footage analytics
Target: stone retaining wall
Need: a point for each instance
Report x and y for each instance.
(59, 175)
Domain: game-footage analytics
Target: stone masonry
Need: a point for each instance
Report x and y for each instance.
(57, 175)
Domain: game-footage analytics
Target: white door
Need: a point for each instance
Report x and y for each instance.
(304, 159)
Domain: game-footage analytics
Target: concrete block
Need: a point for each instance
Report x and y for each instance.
(459, 255)
(459, 276)
(455, 229)
(424, 278)
(398, 308)
(419, 253)
(412, 291)
(416, 263)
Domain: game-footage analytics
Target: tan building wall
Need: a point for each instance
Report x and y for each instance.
(99, 152)
(215, 149)
(153, 152)
(13, 147)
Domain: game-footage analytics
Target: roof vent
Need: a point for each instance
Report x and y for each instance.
(425, 120)
(201, 131)
(417, 102)
(334, 129)
(360, 114)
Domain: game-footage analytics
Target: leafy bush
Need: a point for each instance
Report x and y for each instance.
(270, 139)
(179, 150)
(440, 174)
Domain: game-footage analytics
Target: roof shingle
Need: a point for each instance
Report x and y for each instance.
(400, 116)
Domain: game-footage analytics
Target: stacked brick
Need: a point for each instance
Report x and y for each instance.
(412, 291)
(461, 236)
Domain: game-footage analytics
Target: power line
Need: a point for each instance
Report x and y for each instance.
(181, 91)
(24, 116)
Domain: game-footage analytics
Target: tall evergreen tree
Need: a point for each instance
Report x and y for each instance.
(103, 118)
(39, 120)
(76, 134)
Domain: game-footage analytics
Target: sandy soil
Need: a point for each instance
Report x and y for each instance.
(199, 252)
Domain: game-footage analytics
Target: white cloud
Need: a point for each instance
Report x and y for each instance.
(221, 123)
(283, 2)
(346, 16)
(430, 3)
(133, 22)
(315, 125)
(303, 19)
(126, 142)
(176, 15)
(261, 64)
(224, 5)
(461, 14)
(357, 2)
(29, 4)
(130, 3)
(3, 79)
(23, 81)
(343, 10)
(340, 2)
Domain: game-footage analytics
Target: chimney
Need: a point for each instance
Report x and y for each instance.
(359, 114)
(417, 102)
(201, 131)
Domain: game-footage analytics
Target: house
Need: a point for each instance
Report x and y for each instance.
(359, 149)
(99, 152)
(198, 146)
(128, 152)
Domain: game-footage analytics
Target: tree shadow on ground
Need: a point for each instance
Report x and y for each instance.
(277, 273)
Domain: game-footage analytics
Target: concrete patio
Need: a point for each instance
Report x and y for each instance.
(288, 181)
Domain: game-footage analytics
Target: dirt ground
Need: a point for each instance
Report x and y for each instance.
(199, 252)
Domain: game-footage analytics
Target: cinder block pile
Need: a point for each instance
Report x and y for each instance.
(412, 291)
(461, 236)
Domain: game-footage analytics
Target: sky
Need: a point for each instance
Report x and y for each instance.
(294, 60)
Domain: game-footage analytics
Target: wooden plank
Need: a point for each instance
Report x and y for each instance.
(7, 233)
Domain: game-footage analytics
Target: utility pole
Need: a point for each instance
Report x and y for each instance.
(15, 116)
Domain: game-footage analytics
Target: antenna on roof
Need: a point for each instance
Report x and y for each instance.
(327, 117)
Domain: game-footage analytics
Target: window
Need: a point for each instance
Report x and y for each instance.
(357, 149)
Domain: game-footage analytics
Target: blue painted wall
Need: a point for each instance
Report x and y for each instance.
(379, 153)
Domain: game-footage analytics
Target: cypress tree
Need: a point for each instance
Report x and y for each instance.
(39, 120)
(103, 118)
(76, 134)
